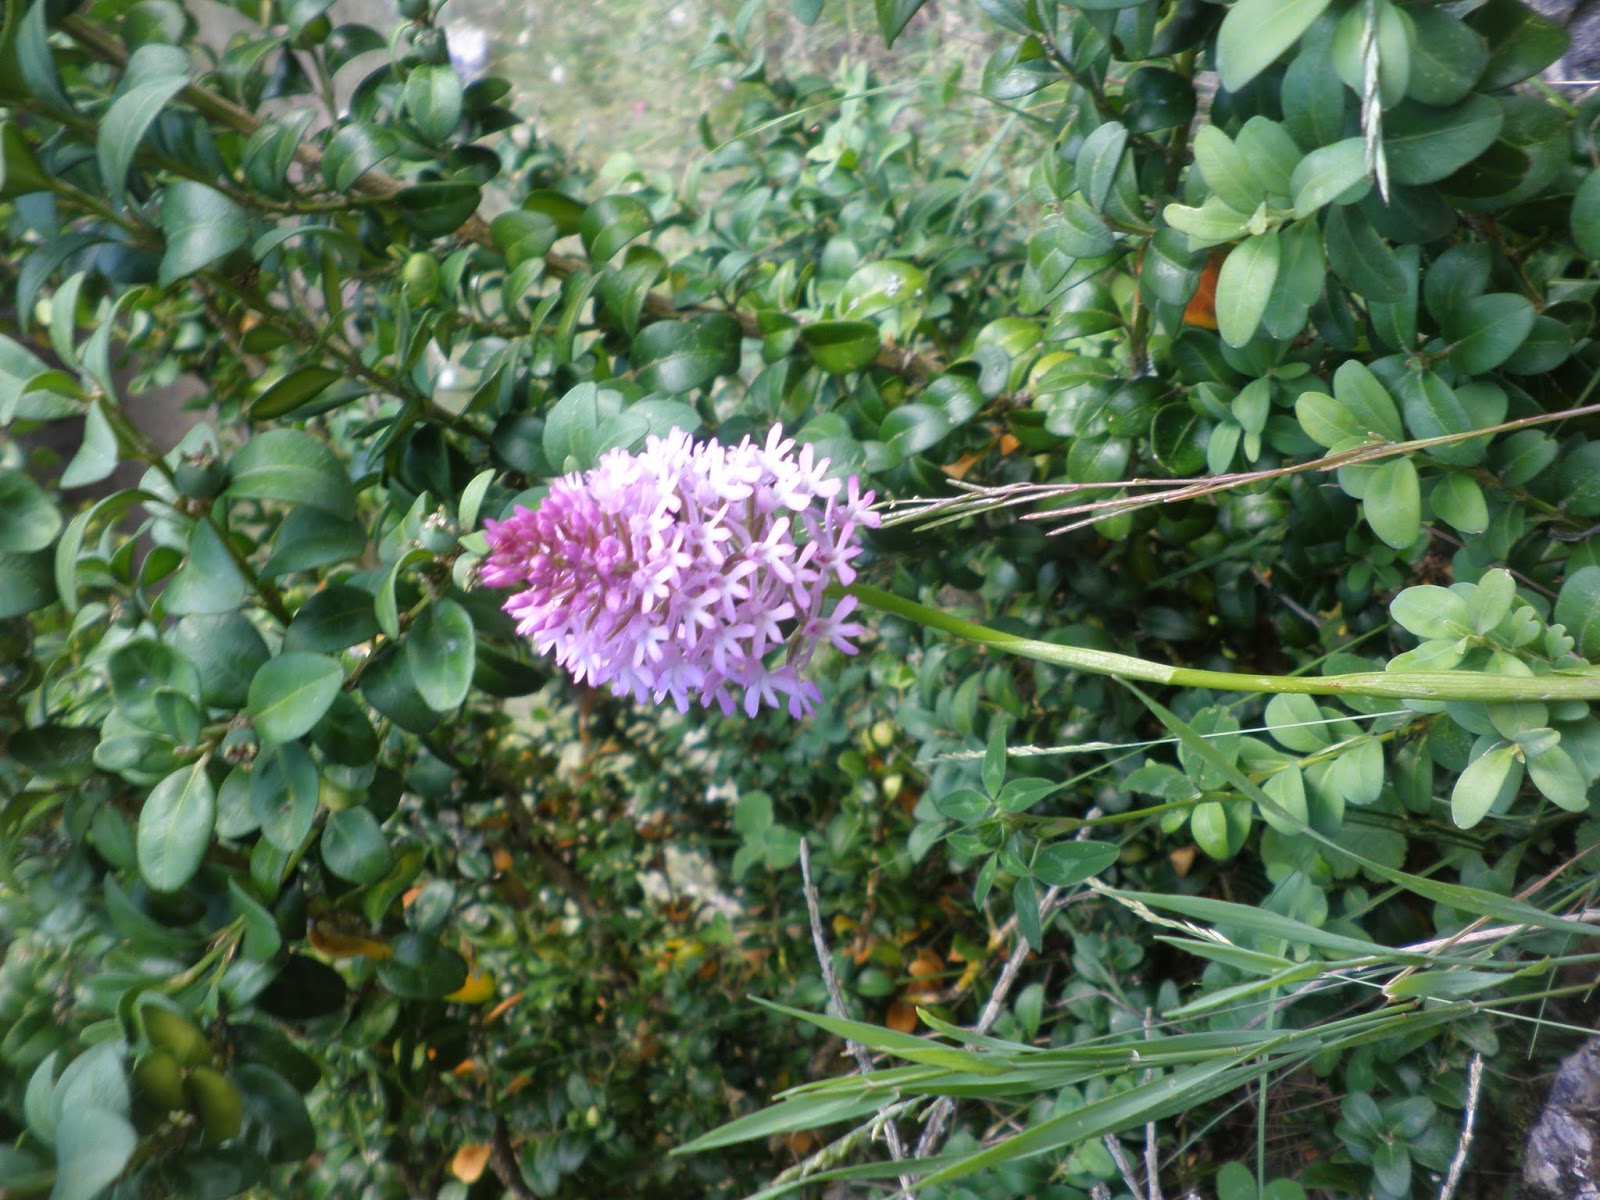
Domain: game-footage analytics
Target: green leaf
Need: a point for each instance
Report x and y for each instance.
(1215, 830)
(421, 969)
(912, 428)
(1586, 215)
(1288, 788)
(1019, 795)
(893, 15)
(1367, 401)
(1458, 501)
(1391, 42)
(1430, 611)
(124, 126)
(289, 694)
(353, 151)
(433, 100)
(792, 1113)
(93, 1145)
(610, 223)
(573, 423)
(1425, 144)
(1558, 778)
(175, 827)
(1361, 259)
(440, 650)
(1578, 608)
(20, 172)
(962, 804)
(1244, 286)
(1468, 899)
(1155, 98)
(1521, 42)
(292, 390)
(97, 455)
(389, 688)
(283, 794)
(994, 761)
(1099, 160)
(201, 225)
(1447, 58)
(1432, 409)
(1393, 503)
(438, 207)
(337, 617)
(1210, 224)
(354, 847)
(310, 537)
(1025, 904)
(1016, 70)
(523, 236)
(232, 649)
(1326, 421)
(209, 581)
(142, 668)
(1335, 174)
(1492, 777)
(1486, 330)
(1255, 33)
(840, 347)
(1067, 864)
(673, 357)
(1297, 724)
(1227, 171)
(292, 466)
(28, 519)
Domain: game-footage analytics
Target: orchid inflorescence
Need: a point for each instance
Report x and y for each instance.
(683, 570)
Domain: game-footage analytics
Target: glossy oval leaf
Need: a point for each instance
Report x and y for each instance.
(440, 649)
(175, 827)
(1486, 330)
(839, 347)
(294, 467)
(1244, 286)
(1255, 33)
(354, 847)
(1393, 503)
(1494, 774)
(1335, 174)
(1425, 144)
(289, 695)
(1067, 864)
(29, 520)
(201, 225)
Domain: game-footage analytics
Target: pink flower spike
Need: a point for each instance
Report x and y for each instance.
(688, 571)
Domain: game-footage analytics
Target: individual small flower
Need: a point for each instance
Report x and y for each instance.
(690, 571)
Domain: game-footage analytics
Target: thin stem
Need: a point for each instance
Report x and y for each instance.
(1419, 685)
(830, 978)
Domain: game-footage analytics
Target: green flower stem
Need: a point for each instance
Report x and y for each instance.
(1408, 685)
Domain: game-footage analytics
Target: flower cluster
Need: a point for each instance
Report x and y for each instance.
(683, 570)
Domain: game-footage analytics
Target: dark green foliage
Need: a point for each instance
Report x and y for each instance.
(314, 880)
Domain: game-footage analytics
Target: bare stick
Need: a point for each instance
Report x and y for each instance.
(939, 1114)
(1474, 1080)
(1124, 1167)
(1152, 1148)
(891, 1133)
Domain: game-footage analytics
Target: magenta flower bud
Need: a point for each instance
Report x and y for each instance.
(686, 569)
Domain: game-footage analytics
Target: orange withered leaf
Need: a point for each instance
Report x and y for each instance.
(1202, 307)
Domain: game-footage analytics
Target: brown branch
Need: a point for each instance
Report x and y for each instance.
(891, 1133)
(503, 1162)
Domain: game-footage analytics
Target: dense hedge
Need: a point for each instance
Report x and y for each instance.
(1208, 800)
